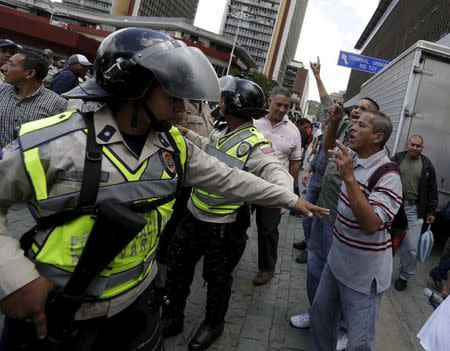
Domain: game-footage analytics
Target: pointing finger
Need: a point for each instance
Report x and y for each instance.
(341, 147)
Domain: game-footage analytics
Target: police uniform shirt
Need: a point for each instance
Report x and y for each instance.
(64, 165)
(261, 162)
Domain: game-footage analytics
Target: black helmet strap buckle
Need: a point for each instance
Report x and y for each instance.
(119, 73)
(159, 126)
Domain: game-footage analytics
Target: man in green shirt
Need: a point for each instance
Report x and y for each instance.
(420, 198)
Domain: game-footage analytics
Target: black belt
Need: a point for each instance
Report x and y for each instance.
(410, 203)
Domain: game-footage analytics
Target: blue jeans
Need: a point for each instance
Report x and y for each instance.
(312, 195)
(360, 310)
(408, 248)
(319, 245)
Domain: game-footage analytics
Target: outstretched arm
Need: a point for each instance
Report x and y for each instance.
(336, 114)
(315, 68)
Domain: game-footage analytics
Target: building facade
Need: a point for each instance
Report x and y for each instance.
(103, 6)
(267, 29)
(296, 80)
(167, 8)
(85, 30)
(147, 8)
(395, 26)
(285, 38)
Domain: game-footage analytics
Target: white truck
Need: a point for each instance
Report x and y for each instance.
(414, 91)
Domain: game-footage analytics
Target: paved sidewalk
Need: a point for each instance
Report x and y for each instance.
(258, 318)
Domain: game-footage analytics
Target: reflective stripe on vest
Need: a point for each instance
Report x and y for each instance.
(234, 151)
(56, 250)
(100, 283)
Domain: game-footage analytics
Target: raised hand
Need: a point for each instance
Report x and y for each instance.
(336, 112)
(315, 67)
(344, 161)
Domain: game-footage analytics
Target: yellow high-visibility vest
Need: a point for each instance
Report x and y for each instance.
(234, 151)
(56, 250)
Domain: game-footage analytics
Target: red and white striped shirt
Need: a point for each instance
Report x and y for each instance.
(355, 258)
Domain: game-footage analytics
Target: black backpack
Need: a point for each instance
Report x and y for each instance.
(400, 221)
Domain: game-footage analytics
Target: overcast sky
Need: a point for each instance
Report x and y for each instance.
(329, 26)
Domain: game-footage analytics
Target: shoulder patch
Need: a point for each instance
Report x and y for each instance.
(243, 149)
(168, 162)
(91, 106)
(107, 133)
(266, 149)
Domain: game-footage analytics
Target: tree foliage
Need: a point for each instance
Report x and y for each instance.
(263, 81)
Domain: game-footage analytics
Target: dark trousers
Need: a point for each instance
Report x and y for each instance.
(135, 328)
(267, 221)
(441, 270)
(222, 246)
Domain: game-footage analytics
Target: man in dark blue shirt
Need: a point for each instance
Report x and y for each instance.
(67, 79)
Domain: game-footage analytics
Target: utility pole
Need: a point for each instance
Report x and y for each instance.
(239, 16)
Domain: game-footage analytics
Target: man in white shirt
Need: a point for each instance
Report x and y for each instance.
(287, 145)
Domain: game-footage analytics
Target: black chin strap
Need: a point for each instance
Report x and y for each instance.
(159, 126)
(134, 116)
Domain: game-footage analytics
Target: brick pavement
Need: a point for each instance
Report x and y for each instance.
(258, 318)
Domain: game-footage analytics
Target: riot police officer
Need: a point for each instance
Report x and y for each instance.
(125, 152)
(216, 226)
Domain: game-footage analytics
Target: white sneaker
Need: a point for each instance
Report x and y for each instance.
(342, 341)
(301, 321)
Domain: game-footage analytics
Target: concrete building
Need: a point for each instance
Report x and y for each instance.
(296, 79)
(285, 38)
(83, 31)
(103, 6)
(268, 30)
(395, 26)
(151, 8)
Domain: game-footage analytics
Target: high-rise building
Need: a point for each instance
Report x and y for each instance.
(151, 8)
(285, 38)
(167, 8)
(395, 26)
(103, 6)
(296, 80)
(267, 29)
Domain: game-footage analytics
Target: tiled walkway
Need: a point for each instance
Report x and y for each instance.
(258, 318)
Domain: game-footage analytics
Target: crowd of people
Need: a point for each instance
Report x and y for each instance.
(144, 147)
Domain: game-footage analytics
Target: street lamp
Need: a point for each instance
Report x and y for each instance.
(238, 15)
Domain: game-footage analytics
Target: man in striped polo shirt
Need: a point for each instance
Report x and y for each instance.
(359, 264)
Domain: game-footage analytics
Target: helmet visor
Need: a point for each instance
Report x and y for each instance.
(228, 83)
(184, 72)
(89, 90)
